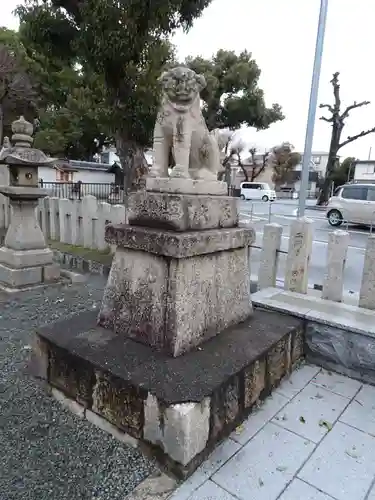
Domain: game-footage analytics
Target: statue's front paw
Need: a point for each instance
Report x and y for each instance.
(206, 175)
(156, 172)
(180, 172)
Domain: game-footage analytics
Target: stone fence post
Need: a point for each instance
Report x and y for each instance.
(89, 214)
(54, 218)
(367, 292)
(338, 242)
(269, 257)
(299, 254)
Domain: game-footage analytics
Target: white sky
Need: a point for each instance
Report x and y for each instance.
(281, 35)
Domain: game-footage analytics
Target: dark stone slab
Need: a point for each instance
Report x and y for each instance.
(182, 212)
(349, 353)
(178, 245)
(189, 378)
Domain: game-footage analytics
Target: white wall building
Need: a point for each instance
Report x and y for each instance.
(364, 171)
(319, 160)
(74, 171)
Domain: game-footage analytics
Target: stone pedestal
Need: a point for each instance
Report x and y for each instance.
(175, 288)
(25, 259)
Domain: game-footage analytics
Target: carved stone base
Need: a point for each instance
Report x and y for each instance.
(186, 186)
(182, 212)
(173, 291)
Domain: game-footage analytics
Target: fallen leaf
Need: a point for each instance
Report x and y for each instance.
(351, 454)
(327, 425)
(302, 420)
(239, 429)
(281, 468)
(260, 482)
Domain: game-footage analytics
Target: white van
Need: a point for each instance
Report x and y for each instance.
(257, 191)
(353, 203)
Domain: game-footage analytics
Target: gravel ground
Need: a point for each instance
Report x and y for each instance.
(46, 452)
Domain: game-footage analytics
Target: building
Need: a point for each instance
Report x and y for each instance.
(319, 161)
(80, 171)
(318, 167)
(364, 171)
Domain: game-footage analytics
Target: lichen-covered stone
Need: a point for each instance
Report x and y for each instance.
(179, 212)
(254, 382)
(279, 361)
(176, 304)
(119, 403)
(178, 245)
(72, 375)
(225, 407)
(298, 345)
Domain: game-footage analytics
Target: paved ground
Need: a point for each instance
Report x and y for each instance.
(46, 453)
(314, 439)
(284, 212)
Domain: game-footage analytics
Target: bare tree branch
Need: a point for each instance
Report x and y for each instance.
(336, 91)
(328, 106)
(354, 106)
(355, 137)
(329, 120)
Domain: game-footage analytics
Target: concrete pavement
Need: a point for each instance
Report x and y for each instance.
(283, 212)
(313, 439)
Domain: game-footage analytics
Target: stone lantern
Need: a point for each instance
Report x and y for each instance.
(25, 259)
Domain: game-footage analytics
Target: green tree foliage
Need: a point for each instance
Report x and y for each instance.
(17, 95)
(124, 43)
(283, 160)
(232, 97)
(344, 172)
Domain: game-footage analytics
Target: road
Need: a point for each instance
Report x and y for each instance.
(284, 212)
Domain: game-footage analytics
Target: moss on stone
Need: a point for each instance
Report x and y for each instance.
(102, 256)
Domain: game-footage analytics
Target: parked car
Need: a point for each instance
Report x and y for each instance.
(353, 203)
(257, 191)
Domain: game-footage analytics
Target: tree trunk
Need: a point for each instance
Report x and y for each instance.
(244, 171)
(331, 163)
(1, 125)
(133, 163)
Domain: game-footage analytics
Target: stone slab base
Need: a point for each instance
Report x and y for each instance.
(25, 258)
(181, 408)
(178, 245)
(339, 337)
(186, 186)
(179, 212)
(24, 277)
(174, 304)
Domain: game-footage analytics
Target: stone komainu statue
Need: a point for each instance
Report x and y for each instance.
(180, 129)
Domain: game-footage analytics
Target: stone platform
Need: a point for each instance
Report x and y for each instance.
(179, 408)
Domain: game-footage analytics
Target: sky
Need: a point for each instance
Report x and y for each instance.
(281, 36)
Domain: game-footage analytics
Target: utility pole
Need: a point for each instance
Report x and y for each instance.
(312, 107)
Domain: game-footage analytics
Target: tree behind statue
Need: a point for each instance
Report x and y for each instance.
(123, 42)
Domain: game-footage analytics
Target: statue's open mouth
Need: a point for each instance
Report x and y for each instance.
(183, 97)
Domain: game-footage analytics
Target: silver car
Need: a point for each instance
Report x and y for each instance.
(352, 203)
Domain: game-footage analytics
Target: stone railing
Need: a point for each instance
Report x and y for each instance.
(78, 222)
(83, 222)
(298, 260)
